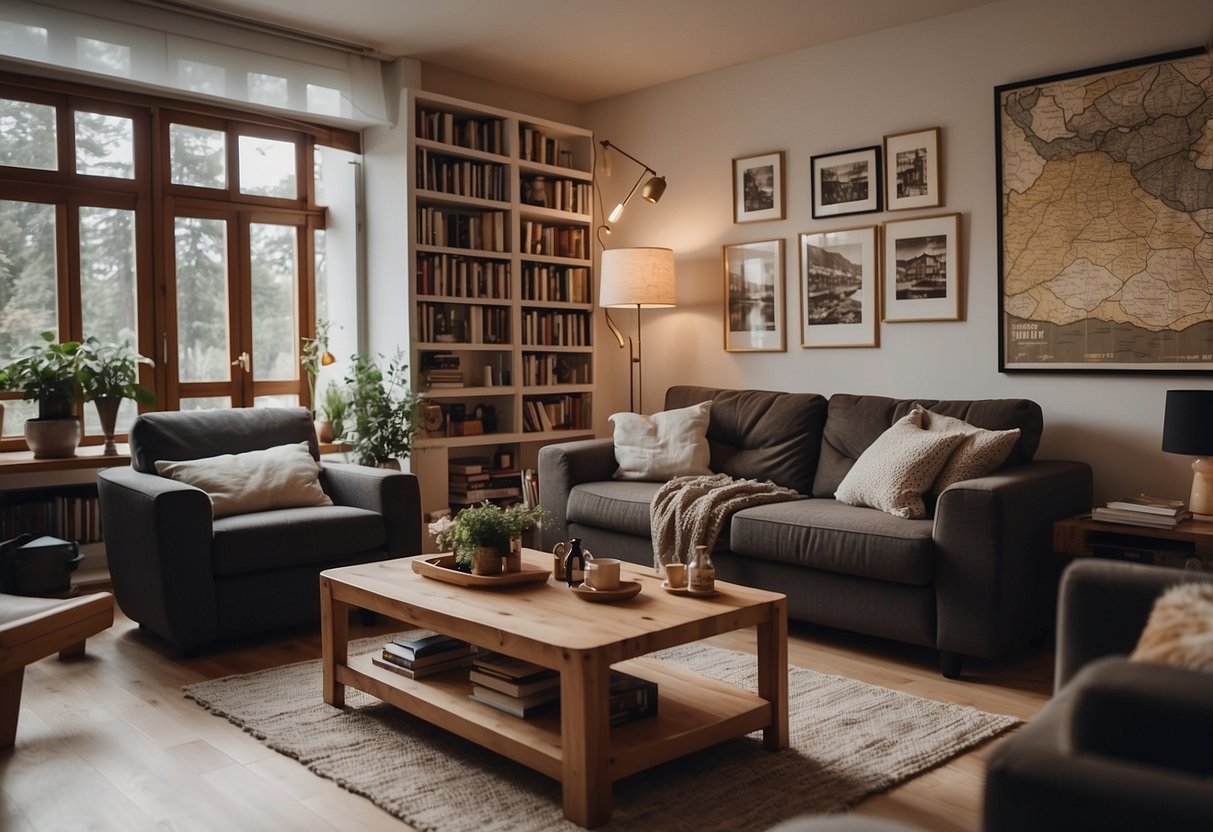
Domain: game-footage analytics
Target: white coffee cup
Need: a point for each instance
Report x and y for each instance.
(602, 573)
(676, 575)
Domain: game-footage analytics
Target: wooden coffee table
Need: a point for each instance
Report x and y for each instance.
(544, 623)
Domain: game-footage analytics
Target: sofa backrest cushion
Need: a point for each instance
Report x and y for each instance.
(177, 434)
(760, 434)
(854, 423)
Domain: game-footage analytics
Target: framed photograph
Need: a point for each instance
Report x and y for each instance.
(1104, 263)
(838, 288)
(758, 187)
(922, 269)
(911, 170)
(753, 297)
(846, 182)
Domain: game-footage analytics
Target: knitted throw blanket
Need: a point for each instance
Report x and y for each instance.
(690, 511)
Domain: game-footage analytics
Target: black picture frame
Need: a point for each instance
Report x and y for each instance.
(847, 182)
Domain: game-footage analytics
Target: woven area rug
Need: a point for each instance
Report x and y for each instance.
(849, 739)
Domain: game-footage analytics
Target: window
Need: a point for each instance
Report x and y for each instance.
(234, 235)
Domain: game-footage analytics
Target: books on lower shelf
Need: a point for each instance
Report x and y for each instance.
(1131, 517)
(425, 656)
(524, 689)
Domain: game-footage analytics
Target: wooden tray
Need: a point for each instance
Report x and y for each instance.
(442, 568)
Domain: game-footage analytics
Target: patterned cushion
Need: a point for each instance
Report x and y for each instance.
(980, 452)
(897, 469)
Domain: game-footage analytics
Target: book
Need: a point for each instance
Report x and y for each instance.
(539, 682)
(1149, 505)
(517, 703)
(397, 656)
(630, 698)
(468, 465)
(427, 645)
(521, 713)
(1137, 518)
(421, 672)
(508, 667)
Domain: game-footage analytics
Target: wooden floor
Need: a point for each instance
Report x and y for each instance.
(108, 742)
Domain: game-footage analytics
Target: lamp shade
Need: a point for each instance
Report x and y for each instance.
(1187, 426)
(653, 189)
(642, 277)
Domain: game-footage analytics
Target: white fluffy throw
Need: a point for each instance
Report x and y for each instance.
(691, 511)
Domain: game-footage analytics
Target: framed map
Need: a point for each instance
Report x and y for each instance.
(1105, 218)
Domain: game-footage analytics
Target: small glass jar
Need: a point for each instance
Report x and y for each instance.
(701, 572)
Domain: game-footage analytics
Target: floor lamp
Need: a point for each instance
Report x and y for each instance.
(640, 278)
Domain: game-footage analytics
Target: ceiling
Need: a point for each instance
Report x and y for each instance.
(580, 50)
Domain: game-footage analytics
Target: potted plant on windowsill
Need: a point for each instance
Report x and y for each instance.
(382, 414)
(47, 373)
(108, 374)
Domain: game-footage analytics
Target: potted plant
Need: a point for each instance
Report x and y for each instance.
(313, 355)
(336, 406)
(47, 373)
(108, 374)
(382, 415)
(518, 521)
(481, 535)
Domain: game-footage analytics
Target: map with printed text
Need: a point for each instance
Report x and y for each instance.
(1107, 219)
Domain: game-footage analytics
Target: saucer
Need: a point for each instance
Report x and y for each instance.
(626, 590)
(682, 590)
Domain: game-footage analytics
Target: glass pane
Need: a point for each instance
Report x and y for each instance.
(22, 41)
(107, 274)
(28, 285)
(102, 56)
(198, 156)
(200, 77)
(319, 241)
(127, 411)
(267, 167)
(272, 252)
(206, 403)
(27, 135)
(284, 400)
(267, 89)
(202, 306)
(105, 145)
(16, 411)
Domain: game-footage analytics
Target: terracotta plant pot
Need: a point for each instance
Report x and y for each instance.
(107, 412)
(488, 561)
(52, 438)
(324, 430)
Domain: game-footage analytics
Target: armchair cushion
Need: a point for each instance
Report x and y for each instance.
(293, 537)
(284, 476)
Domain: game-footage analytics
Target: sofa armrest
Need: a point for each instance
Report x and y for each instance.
(1038, 779)
(1103, 606)
(394, 495)
(995, 574)
(158, 535)
(563, 466)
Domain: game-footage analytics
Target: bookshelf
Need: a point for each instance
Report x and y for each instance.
(501, 285)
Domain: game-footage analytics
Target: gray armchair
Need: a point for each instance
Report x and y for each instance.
(1122, 745)
(194, 579)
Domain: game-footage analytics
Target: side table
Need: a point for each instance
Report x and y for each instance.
(1188, 546)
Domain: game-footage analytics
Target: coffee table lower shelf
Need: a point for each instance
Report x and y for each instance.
(693, 712)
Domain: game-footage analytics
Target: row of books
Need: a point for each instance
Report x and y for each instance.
(488, 484)
(555, 240)
(560, 195)
(556, 413)
(535, 146)
(459, 276)
(460, 324)
(481, 230)
(512, 685)
(1143, 510)
(563, 284)
(556, 329)
(461, 177)
(485, 134)
(551, 368)
(66, 516)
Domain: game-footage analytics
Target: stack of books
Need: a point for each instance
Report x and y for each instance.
(524, 689)
(1143, 510)
(417, 658)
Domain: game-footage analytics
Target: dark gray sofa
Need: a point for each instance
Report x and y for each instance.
(194, 579)
(976, 577)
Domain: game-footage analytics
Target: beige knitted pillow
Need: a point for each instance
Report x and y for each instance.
(980, 451)
(1179, 631)
(897, 469)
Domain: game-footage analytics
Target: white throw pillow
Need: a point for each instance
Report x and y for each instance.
(673, 443)
(898, 468)
(980, 452)
(285, 476)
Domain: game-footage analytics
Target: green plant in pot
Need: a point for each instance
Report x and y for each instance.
(382, 415)
(334, 409)
(481, 535)
(108, 374)
(48, 373)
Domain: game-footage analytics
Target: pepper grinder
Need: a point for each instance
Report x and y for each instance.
(574, 563)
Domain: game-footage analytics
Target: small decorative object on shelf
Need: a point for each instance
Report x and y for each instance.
(701, 573)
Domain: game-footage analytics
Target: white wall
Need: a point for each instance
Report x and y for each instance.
(850, 94)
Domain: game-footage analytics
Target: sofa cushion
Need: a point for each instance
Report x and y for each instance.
(293, 537)
(759, 434)
(854, 422)
(895, 471)
(980, 452)
(622, 506)
(669, 444)
(285, 476)
(836, 537)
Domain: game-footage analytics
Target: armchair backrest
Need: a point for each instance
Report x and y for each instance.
(176, 435)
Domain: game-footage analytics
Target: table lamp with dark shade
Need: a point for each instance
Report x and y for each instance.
(1188, 429)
